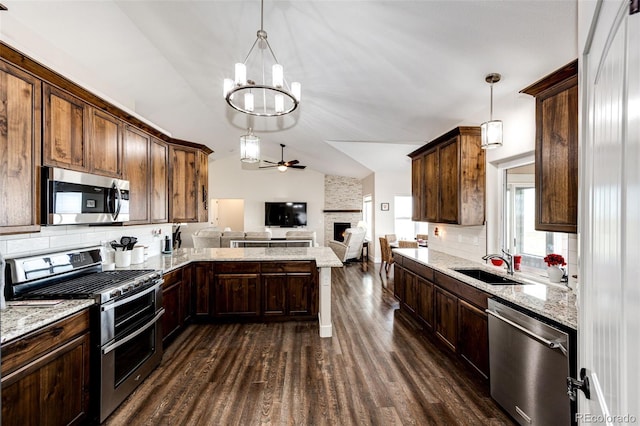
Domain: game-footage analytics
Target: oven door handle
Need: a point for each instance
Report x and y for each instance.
(155, 287)
(133, 335)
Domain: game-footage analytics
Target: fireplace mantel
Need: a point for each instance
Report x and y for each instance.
(342, 211)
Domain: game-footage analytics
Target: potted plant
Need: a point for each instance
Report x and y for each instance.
(554, 270)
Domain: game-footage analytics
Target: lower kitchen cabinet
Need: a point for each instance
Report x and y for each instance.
(177, 303)
(202, 287)
(448, 309)
(45, 375)
(473, 336)
(446, 317)
(289, 290)
(237, 295)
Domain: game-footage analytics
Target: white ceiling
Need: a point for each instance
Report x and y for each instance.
(379, 78)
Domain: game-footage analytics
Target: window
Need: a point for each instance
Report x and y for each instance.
(404, 227)
(520, 234)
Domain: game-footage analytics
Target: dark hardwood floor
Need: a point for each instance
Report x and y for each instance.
(376, 369)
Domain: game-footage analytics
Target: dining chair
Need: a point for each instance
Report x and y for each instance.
(391, 238)
(386, 254)
(407, 244)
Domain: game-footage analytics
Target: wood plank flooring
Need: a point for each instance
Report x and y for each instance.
(377, 369)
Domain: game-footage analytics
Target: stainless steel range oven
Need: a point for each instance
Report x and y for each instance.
(126, 334)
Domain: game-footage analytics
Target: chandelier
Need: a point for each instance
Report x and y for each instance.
(491, 131)
(258, 97)
(249, 147)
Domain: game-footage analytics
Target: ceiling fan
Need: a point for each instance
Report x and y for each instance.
(283, 165)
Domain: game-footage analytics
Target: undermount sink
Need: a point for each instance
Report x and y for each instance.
(487, 277)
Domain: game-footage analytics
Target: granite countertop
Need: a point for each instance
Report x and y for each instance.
(17, 320)
(324, 256)
(551, 301)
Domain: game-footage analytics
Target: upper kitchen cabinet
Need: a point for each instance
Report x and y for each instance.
(188, 174)
(20, 130)
(80, 137)
(159, 190)
(105, 139)
(137, 172)
(448, 179)
(556, 167)
(65, 130)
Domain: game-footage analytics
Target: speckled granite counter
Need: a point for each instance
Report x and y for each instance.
(16, 321)
(324, 256)
(553, 302)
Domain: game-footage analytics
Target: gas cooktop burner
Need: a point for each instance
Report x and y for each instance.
(88, 286)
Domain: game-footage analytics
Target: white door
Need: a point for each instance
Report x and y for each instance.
(609, 311)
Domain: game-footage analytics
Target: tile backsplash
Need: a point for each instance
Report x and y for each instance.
(56, 238)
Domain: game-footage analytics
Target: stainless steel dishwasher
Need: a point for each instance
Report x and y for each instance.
(529, 365)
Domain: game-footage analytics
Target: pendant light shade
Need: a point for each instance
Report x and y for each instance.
(251, 92)
(249, 148)
(491, 131)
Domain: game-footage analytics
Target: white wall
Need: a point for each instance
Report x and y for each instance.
(228, 179)
(386, 186)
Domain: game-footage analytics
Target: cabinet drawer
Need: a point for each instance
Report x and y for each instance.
(462, 290)
(284, 267)
(237, 268)
(34, 345)
(172, 278)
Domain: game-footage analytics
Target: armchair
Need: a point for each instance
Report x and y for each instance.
(207, 238)
(351, 248)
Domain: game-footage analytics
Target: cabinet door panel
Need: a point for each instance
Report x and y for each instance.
(237, 294)
(106, 144)
(203, 185)
(299, 294)
(274, 294)
(431, 193)
(171, 317)
(410, 291)
(417, 189)
(473, 333)
(159, 157)
(425, 303)
(446, 318)
(203, 277)
(186, 296)
(136, 171)
(65, 130)
(448, 170)
(398, 282)
(184, 202)
(20, 127)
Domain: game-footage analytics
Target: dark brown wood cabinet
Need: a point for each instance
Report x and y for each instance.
(237, 295)
(20, 139)
(450, 185)
(66, 130)
(203, 289)
(289, 289)
(137, 172)
(203, 185)
(473, 336)
(177, 300)
(45, 375)
(159, 190)
(452, 311)
(556, 166)
(183, 165)
(105, 144)
(446, 317)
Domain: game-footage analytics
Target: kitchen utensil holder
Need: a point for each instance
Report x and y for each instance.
(123, 258)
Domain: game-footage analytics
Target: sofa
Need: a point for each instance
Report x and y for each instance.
(300, 235)
(351, 247)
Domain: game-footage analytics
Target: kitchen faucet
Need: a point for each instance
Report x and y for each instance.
(507, 258)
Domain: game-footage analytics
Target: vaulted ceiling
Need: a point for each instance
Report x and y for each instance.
(378, 77)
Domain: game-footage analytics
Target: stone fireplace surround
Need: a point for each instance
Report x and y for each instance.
(343, 203)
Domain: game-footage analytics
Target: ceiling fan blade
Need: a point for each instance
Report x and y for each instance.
(291, 163)
(270, 162)
(268, 167)
(298, 167)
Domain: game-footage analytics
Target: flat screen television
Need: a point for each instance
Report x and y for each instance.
(285, 215)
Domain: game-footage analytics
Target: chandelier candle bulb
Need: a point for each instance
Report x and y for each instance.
(279, 103)
(241, 74)
(278, 75)
(248, 101)
(296, 90)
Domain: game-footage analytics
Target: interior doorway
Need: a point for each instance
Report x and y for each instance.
(227, 213)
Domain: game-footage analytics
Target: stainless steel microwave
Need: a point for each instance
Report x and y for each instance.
(73, 198)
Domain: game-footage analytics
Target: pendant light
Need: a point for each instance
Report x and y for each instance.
(249, 147)
(260, 97)
(491, 131)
